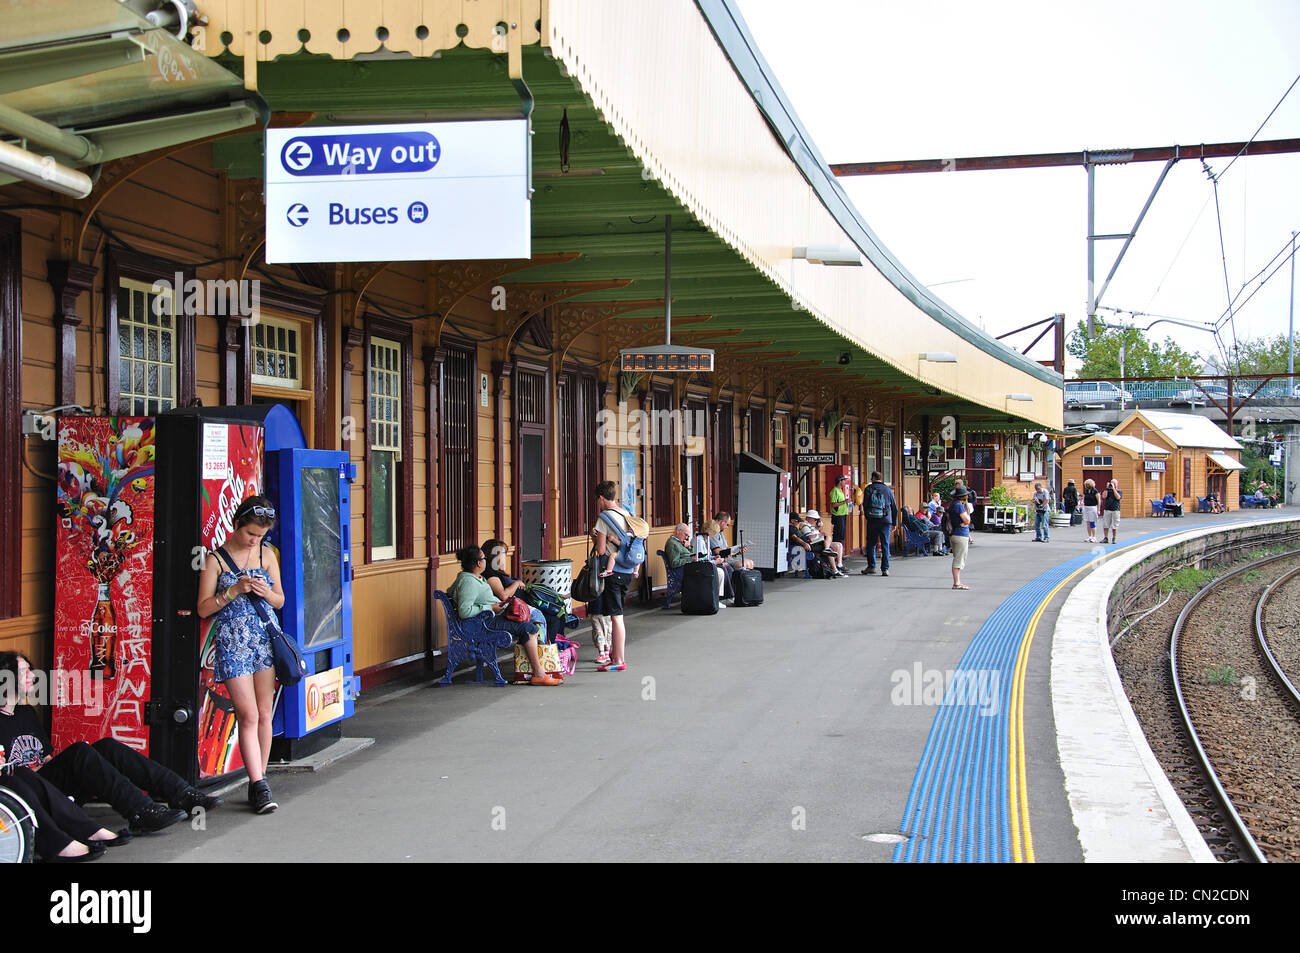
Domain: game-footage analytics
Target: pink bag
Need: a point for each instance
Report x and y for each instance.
(568, 655)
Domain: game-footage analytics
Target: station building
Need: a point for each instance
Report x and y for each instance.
(1156, 452)
(478, 398)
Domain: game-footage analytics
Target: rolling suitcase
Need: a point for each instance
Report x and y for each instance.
(748, 586)
(699, 589)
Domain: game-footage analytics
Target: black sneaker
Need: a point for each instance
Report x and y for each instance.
(156, 817)
(884, 572)
(869, 571)
(193, 799)
(259, 797)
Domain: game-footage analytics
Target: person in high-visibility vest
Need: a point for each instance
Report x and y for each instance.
(840, 507)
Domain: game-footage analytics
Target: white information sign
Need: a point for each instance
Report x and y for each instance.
(403, 192)
(216, 451)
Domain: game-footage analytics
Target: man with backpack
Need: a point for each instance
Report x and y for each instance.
(881, 510)
(624, 534)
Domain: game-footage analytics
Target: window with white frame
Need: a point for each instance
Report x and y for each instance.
(1012, 453)
(385, 425)
(147, 372)
(277, 353)
(871, 451)
(887, 455)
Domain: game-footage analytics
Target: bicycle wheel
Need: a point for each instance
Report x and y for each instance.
(17, 829)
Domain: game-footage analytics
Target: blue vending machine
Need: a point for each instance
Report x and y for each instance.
(312, 494)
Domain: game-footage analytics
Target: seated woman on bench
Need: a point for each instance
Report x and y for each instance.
(504, 586)
(473, 597)
(1171, 504)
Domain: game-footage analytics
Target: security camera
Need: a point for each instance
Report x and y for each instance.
(845, 357)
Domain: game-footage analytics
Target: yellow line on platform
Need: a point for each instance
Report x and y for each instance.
(1018, 787)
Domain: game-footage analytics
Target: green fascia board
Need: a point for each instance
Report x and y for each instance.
(738, 44)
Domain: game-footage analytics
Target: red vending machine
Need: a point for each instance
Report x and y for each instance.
(141, 500)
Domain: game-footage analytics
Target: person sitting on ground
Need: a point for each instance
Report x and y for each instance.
(105, 771)
(1171, 504)
(504, 586)
(473, 597)
(1215, 505)
(64, 834)
(934, 535)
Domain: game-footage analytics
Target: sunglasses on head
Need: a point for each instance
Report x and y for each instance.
(267, 511)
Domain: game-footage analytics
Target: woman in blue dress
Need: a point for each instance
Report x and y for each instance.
(241, 569)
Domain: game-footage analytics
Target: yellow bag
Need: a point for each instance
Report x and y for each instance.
(858, 493)
(547, 653)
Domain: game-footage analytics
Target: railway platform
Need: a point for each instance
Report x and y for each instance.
(812, 728)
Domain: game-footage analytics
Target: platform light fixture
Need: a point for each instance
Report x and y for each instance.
(1020, 397)
(829, 254)
(938, 357)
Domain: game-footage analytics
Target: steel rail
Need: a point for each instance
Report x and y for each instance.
(1278, 674)
(1234, 818)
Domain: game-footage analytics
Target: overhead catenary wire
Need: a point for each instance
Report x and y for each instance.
(1196, 221)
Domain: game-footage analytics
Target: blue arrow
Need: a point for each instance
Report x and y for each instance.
(297, 215)
(297, 155)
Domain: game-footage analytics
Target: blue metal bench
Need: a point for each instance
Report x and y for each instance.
(915, 542)
(674, 577)
(1158, 508)
(1203, 505)
(471, 639)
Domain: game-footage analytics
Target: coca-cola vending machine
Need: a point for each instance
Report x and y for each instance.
(141, 502)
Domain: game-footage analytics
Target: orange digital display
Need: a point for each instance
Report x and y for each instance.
(667, 359)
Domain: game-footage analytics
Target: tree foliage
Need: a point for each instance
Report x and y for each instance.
(1099, 354)
(1260, 356)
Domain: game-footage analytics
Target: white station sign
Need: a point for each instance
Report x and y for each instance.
(408, 192)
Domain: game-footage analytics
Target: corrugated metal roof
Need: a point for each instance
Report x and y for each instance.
(1188, 430)
(1225, 461)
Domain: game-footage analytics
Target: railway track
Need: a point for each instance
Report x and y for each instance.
(1243, 731)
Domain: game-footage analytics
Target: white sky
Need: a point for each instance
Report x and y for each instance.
(883, 79)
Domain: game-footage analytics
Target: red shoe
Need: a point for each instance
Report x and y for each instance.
(546, 680)
(612, 667)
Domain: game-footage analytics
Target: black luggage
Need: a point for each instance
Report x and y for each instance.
(1076, 518)
(699, 588)
(748, 586)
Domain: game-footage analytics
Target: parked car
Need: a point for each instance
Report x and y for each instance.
(1081, 393)
(1198, 396)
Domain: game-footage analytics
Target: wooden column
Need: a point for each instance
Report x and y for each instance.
(501, 370)
(433, 359)
(352, 338)
(68, 279)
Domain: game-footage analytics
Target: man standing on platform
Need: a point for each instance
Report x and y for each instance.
(840, 508)
(881, 510)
